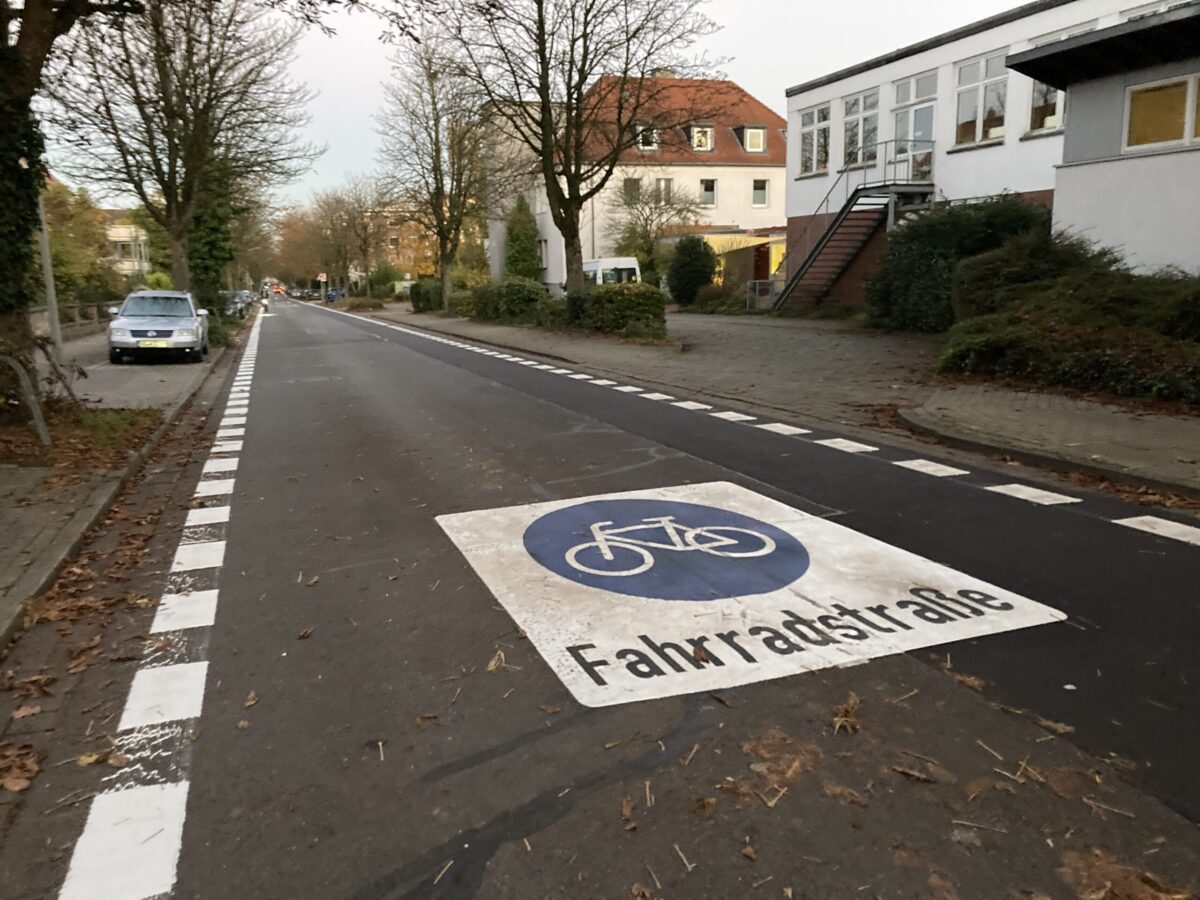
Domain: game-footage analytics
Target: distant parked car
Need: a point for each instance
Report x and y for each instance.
(158, 323)
(231, 305)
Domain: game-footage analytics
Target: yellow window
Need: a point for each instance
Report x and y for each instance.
(1157, 114)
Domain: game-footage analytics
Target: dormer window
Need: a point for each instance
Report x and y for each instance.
(702, 138)
(647, 137)
(756, 140)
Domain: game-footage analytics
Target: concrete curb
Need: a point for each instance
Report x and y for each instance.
(918, 424)
(90, 515)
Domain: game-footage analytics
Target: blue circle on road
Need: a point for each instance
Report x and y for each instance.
(666, 550)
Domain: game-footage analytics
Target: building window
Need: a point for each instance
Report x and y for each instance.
(1151, 9)
(631, 190)
(982, 94)
(1163, 113)
(1046, 113)
(814, 140)
(914, 117)
(647, 137)
(708, 192)
(662, 190)
(758, 195)
(702, 138)
(861, 127)
(543, 252)
(919, 87)
(756, 140)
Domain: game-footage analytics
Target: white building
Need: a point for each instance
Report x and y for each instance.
(943, 119)
(130, 248)
(732, 163)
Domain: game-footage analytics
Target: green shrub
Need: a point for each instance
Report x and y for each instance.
(485, 302)
(460, 303)
(361, 303)
(426, 295)
(220, 333)
(521, 259)
(550, 312)
(912, 291)
(692, 267)
(633, 310)
(518, 297)
(718, 299)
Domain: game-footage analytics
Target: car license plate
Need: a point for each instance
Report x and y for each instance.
(154, 343)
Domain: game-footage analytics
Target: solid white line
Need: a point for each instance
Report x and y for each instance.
(130, 845)
(781, 428)
(846, 446)
(220, 464)
(223, 433)
(1163, 528)
(216, 487)
(164, 694)
(732, 416)
(1032, 494)
(628, 389)
(227, 447)
(691, 404)
(205, 555)
(929, 467)
(179, 611)
(655, 396)
(207, 515)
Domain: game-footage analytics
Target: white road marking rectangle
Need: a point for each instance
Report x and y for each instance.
(656, 396)
(628, 389)
(226, 433)
(545, 367)
(846, 446)
(561, 371)
(603, 382)
(204, 555)
(619, 591)
(730, 416)
(207, 515)
(164, 694)
(691, 404)
(220, 464)
(781, 428)
(179, 611)
(227, 447)
(579, 376)
(1032, 495)
(232, 421)
(1163, 528)
(929, 467)
(130, 845)
(215, 487)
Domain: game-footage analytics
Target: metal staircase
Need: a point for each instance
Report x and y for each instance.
(884, 184)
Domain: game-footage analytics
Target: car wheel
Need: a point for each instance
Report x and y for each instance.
(114, 357)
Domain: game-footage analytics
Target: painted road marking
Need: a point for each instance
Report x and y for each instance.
(214, 488)
(690, 404)
(178, 611)
(231, 421)
(561, 371)
(1032, 494)
(929, 467)
(628, 389)
(618, 591)
(204, 555)
(1163, 528)
(730, 416)
(227, 447)
(130, 845)
(656, 396)
(578, 376)
(603, 382)
(781, 428)
(209, 515)
(846, 446)
(545, 367)
(164, 694)
(225, 433)
(220, 464)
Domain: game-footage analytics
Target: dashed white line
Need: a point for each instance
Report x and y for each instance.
(220, 464)
(781, 428)
(1032, 494)
(691, 404)
(628, 389)
(929, 467)
(561, 371)
(209, 515)
(846, 446)
(164, 694)
(215, 487)
(226, 433)
(1163, 528)
(656, 396)
(227, 447)
(179, 611)
(579, 376)
(204, 555)
(232, 421)
(603, 382)
(730, 416)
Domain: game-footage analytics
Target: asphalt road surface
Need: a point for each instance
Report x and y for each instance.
(408, 663)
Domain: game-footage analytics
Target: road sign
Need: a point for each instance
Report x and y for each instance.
(321, 276)
(653, 593)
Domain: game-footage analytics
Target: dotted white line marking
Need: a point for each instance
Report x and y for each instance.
(227, 447)
(781, 428)
(232, 421)
(179, 611)
(130, 845)
(929, 467)
(544, 367)
(220, 464)
(1032, 494)
(1163, 528)
(210, 515)
(690, 404)
(164, 694)
(204, 555)
(579, 376)
(224, 433)
(628, 389)
(656, 396)
(846, 446)
(216, 487)
(603, 382)
(730, 416)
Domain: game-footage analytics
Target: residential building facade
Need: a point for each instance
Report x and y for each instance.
(940, 120)
(1130, 174)
(731, 164)
(130, 250)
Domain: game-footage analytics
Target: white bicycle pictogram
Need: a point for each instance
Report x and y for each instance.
(636, 554)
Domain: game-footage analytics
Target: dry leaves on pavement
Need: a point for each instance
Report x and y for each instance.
(782, 758)
(846, 715)
(1098, 875)
(19, 765)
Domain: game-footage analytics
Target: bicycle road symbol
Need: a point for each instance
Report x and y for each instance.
(665, 550)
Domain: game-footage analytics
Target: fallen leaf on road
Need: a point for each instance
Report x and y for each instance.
(979, 786)
(1056, 727)
(305, 634)
(24, 712)
(700, 654)
(703, 806)
(18, 766)
(34, 686)
(912, 774)
(627, 813)
(243, 724)
(251, 699)
(117, 760)
(550, 710)
(1099, 875)
(426, 719)
(89, 759)
(1067, 783)
(738, 788)
(312, 581)
(496, 661)
(783, 758)
(847, 796)
(640, 892)
(749, 853)
(846, 715)
(974, 682)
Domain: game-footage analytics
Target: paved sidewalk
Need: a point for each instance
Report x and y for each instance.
(844, 374)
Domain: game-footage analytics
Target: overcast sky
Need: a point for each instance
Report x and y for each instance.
(771, 45)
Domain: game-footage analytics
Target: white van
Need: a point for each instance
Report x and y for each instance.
(612, 270)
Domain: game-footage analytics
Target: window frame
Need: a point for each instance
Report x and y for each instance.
(634, 196)
(710, 130)
(979, 88)
(643, 129)
(762, 135)
(911, 82)
(661, 197)
(860, 118)
(1060, 101)
(701, 193)
(1191, 119)
(814, 129)
(766, 193)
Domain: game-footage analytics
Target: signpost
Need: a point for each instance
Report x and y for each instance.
(321, 279)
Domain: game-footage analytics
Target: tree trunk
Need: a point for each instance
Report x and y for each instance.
(574, 248)
(180, 274)
(445, 264)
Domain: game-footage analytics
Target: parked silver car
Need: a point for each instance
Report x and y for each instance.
(158, 322)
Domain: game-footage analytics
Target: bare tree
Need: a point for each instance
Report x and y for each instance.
(334, 219)
(155, 104)
(432, 145)
(365, 201)
(579, 83)
(639, 219)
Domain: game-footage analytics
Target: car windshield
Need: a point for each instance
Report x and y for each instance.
(170, 307)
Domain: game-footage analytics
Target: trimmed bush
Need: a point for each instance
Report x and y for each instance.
(912, 291)
(461, 303)
(550, 312)
(361, 303)
(693, 266)
(426, 295)
(485, 302)
(632, 310)
(518, 297)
